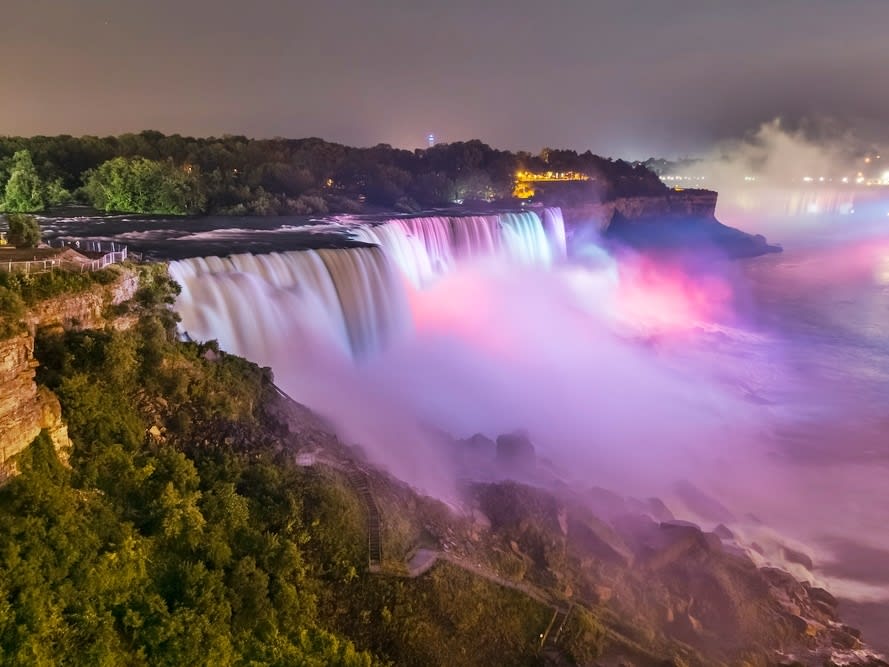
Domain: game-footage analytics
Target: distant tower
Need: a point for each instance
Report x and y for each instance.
(430, 140)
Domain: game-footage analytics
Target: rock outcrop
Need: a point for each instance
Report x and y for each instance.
(515, 451)
(676, 221)
(85, 310)
(26, 408)
(598, 216)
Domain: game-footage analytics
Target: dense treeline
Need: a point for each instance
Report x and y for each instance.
(154, 173)
(181, 532)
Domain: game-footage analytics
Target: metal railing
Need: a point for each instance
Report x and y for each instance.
(86, 245)
(119, 254)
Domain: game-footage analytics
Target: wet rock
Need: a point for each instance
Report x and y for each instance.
(636, 530)
(674, 542)
(659, 511)
(480, 521)
(606, 504)
(713, 541)
(652, 507)
(798, 557)
(702, 504)
(723, 532)
(821, 595)
(479, 445)
(802, 626)
(592, 537)
(784, 580)
(515, 450)
(845, 640)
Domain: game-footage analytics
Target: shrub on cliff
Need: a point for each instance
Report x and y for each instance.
(36, 287)
(583, 637)
(12, 312)
(24, 232)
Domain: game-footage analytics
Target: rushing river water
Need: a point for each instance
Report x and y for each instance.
(827, 306)
(809, 335)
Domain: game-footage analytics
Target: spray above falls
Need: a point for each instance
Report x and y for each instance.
(468, 324)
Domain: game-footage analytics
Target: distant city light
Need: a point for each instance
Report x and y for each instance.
(808, 179)
(885, 177)
(682, 178)
(430, 139)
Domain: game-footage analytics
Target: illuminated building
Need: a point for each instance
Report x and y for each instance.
(524, 181)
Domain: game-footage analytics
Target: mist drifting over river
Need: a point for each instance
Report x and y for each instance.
(759, 384)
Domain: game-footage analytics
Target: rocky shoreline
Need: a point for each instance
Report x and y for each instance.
(663, 590)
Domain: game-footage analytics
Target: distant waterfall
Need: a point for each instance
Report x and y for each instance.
(354, 299)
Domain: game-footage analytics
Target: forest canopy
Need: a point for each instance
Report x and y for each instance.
(150, 172)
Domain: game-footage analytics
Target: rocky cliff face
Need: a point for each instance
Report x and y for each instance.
(86, 310)
(682, 222)
(685, 203)
(25, 408)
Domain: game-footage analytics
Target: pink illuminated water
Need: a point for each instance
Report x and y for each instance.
(763, 383)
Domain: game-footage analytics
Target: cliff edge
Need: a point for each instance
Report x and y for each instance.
(25, 407)
(676, 221)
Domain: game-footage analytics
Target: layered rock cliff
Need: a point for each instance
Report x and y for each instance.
(85, 310)
(673, 203)
(677, 221)
(26, 408)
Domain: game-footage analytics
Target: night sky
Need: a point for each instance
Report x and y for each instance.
(621, 77)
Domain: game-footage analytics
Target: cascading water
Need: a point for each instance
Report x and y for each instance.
(311, 314)
(255, 304)
(351, 298)
(428, 247)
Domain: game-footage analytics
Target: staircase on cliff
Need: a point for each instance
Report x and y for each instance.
(361, 483)
(550, 640)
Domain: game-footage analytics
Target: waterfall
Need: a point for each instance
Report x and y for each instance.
(352, 299)
(255, 304)
(425, 248)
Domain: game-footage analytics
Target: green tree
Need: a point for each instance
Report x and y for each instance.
(55, 193)
(139, 185)
(12, 312)
(24, 232)
(24, 189)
